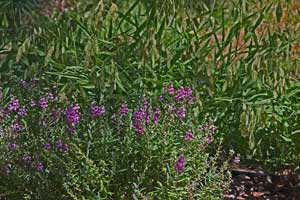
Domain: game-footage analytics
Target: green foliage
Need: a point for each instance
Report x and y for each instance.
(15, 12)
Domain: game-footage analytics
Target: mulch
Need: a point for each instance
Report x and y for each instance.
(257, 184)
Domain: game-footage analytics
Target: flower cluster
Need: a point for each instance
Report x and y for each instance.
(157, 115)
(61, 145)
(16, 127)
(189, 135)
(96, 110)
(180, 164)
(181, 112)
(184, 95)
(170, 89)
(27, 159)
(124, 109)
(22, 112)
(13, 104)
(139, 118)
(211, 129)
(44, 102)
(72, 115)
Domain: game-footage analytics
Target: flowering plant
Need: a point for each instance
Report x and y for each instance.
(150, 148)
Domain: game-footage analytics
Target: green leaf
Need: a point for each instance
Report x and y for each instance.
(278, 12)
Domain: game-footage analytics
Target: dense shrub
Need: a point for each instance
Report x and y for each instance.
(151, 147)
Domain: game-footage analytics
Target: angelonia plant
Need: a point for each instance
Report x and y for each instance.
(151, 147)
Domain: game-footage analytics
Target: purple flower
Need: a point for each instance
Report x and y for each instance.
(184, 94)
(96, 110)
(22, 112)
(12, 146)
(140, 129)
(27, 158)
(66, 147)
(40, 166)
(124, 109)
(59, 144)
(181, 112)
(171, 89)
(161, 98)
(145, 103)
(157, 115)
(43, 103)
(212, 129)
(16, 127)
(47, 146)
(23, 83)
(237, 159)
(70, 130)
(209, 139)
(50, 96)
(189, 135)
(13, 104)
(201, 128)
(139, 116)
(180, 164)
(32, 103)
(72, 114)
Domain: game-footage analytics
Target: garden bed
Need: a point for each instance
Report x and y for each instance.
(249, 183)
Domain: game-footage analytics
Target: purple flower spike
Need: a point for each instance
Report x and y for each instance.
(180, 164)
(70, 130)
(13, 104)
(161, 98)
(47, 146)
(96, 110)
(237, 159)
(181, 112)
(66, 147)
(72, 114)
(12, 146)
(124, 109)
(40, 166)
(171, 89)
(59, 144)
(50, 96)
(145, 103)
(212, 129)
(184, 95)
(22, 112)
(43, 103)
(140, 129)
(32, 103)
(27, 158)
(157, 115)
(189, 135)
(15, 127)
(209, 139)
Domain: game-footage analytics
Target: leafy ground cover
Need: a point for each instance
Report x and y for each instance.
(240, 59)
